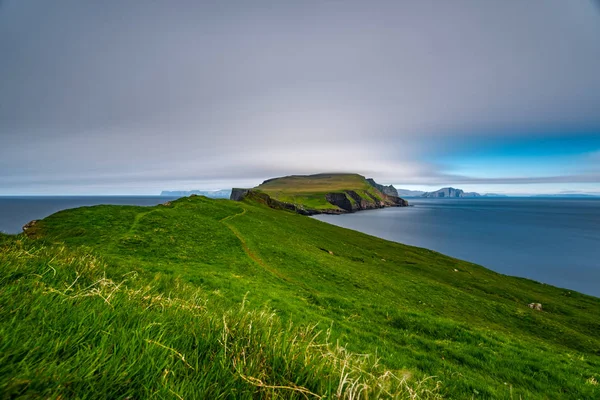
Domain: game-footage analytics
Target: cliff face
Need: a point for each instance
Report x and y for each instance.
(263, 198)
(347, 202)
(322, 194)
(351, 201)
(387, 190)
(238, 194)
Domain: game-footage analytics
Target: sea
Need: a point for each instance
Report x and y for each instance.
(550, 240)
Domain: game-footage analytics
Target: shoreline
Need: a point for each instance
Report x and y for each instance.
(505, 236)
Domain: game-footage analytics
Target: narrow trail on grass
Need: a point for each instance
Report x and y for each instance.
(136, 220)
(253, 256)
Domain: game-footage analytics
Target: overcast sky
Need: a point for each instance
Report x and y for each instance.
(119, 97)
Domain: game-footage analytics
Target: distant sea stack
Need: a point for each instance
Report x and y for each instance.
(450, 192)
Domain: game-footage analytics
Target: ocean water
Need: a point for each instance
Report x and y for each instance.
(17, 211)
(555, 241)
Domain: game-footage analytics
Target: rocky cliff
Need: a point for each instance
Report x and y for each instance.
(238, 194)
(345, 202)
(321, 194)
(388, 190)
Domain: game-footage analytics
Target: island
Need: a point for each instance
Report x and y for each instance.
(327, 193)
(452, 193)
(215, 194)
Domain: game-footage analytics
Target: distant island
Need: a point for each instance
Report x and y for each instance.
(410, 193)
(447, 192)
(335, 193)
(450, 192)
(215, 194)
(454, 193)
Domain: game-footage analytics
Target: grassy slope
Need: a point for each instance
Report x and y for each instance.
(310, 190)
(471, 329)
(74, 327)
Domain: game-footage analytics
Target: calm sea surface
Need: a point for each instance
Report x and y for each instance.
(17, 211)
(555, 241)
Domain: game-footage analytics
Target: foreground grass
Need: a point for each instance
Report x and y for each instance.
(72, 329)
(420, 313)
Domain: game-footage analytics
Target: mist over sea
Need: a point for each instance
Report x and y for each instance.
(554, 241)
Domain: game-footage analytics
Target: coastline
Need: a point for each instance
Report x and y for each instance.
(546, 240)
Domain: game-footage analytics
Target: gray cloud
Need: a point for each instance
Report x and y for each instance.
(234, 92)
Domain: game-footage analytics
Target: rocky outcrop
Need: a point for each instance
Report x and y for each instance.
(351, 201)
(238, 194)
(387, 190)
(390, 193)
(340, 200)
(30, 225)
(397, 201)
(31, 228)
(263, 198)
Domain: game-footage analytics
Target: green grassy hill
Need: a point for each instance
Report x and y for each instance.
(326, 193)
(195, 300)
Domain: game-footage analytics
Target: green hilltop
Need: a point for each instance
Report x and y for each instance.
(333, 193)
(205, 298)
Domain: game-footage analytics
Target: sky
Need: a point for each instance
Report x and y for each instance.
(136, 97)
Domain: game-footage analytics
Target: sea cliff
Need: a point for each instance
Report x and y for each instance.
(322, 194)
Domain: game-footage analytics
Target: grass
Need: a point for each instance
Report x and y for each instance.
(70, 331)
(316, 183)
(436, 325)
(309, 191)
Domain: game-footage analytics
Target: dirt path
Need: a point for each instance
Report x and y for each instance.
(246, 248)
(137, 219)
